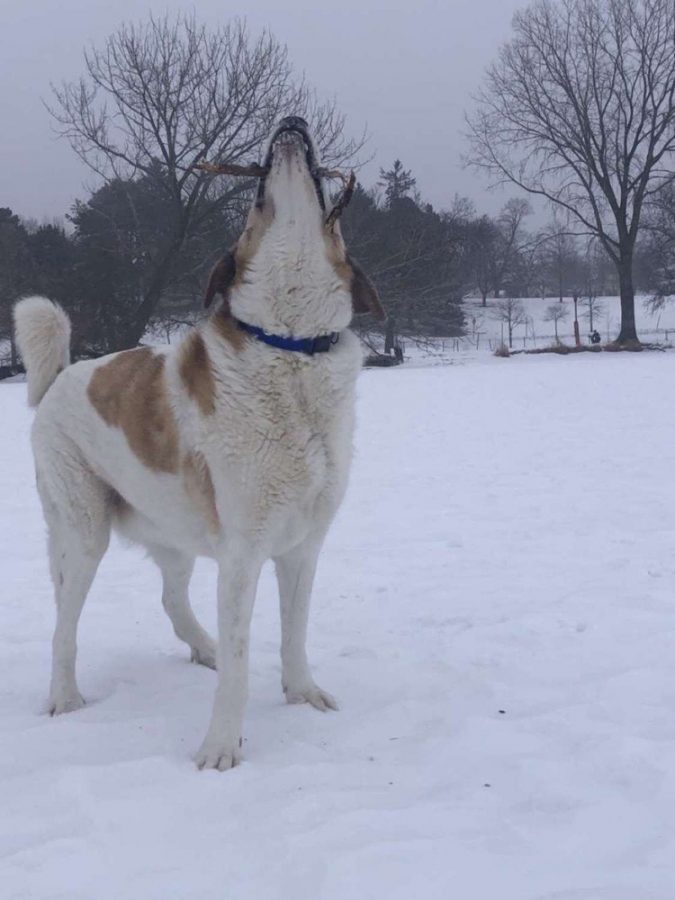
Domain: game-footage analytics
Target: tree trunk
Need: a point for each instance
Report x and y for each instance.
(390, 335)
(152, 296)
(136, 329)
(14, 357)
(628, 333)
(409, 316)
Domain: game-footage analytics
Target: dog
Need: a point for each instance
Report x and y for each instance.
(234, 444)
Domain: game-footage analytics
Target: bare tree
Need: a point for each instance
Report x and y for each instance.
(161, 96)
(512, 313)
(580, 109)
(658, 249)
(483, 248)
(593, 309)
(560, 259)
(508, 246)
(556, 313)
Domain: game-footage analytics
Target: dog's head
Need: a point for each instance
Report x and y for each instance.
(292, 183)
(290, 268)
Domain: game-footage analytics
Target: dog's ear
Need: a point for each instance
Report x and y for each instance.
(365, 298)
(221, 277)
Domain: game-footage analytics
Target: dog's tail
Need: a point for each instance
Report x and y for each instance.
(43, 336)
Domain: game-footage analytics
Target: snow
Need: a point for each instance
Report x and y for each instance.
(658, 326)
(495, 612)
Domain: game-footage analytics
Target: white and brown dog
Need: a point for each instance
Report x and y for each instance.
(235, 444)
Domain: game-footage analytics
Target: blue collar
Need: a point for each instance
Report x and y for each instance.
(309, 346)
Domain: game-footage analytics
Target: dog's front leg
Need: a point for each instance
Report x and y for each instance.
(295, 574)
(238, 572)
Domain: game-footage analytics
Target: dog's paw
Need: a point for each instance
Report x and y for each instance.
(204, 656)
(65, 704)
(220, 755)
(312, 694)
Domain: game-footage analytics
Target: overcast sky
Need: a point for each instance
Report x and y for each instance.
(407, 74)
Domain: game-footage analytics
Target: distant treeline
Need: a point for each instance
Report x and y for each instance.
(159, 96)
(101, 264)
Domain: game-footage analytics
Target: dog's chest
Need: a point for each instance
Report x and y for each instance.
(306, 415)
(288, 443)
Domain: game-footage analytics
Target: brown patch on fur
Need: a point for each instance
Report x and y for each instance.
(199, 488)
(231, 271)
(222, 275)
(231, 267)
(365, 298)
(337, 255)
(225, 327)
(129, 392)
(194, 368)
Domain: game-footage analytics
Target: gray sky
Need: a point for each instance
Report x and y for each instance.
(407, 74)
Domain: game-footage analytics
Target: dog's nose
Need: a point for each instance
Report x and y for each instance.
(294, 122)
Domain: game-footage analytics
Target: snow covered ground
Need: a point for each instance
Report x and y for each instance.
(495, 610)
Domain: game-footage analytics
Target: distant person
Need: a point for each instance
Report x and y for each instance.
(595, 337)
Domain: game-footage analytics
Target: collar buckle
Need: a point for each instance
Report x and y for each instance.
(323, 343)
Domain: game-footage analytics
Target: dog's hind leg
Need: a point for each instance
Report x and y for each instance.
(295, 575)
(176, 571)
(77, 511)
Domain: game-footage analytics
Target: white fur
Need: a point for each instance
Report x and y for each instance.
(278, 448)
(43, 336)
(290, 287)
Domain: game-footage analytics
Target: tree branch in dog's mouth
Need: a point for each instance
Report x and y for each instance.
(343, 200)
(254, 170)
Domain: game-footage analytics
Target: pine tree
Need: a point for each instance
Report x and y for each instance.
(397, 182)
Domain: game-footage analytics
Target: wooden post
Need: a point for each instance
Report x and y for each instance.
(390, 335)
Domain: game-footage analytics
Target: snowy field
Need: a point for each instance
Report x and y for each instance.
(484, 330)
(495, 611)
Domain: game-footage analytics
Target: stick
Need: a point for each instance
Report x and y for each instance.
(334, 173)
(342, 202)
(253, 170)
(257, 171)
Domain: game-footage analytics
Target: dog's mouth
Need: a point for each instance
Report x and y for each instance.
(293, 131)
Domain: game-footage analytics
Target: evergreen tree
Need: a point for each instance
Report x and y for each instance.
(15, 274)
(397, 183)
